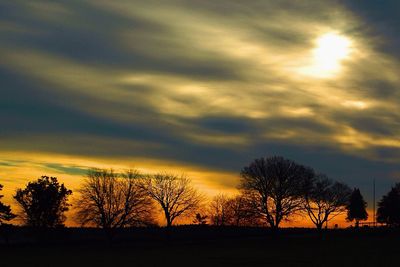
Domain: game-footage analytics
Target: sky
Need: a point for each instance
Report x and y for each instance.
(201, 87)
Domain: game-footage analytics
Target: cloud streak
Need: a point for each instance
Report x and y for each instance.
(205, 84)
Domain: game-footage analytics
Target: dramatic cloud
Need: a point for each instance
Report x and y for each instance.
(200, 86)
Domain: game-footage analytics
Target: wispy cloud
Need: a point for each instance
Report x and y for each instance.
(211, 84)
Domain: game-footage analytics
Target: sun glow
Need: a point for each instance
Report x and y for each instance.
(329, 52)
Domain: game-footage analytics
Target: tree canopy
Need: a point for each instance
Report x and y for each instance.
(389, 207)
(43, 202)
(110, 200)
(325, 200)
(356, 208)
(175, 195)
(277, 186)
(5, 211)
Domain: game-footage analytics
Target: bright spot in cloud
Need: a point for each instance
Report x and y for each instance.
(330, 50)
(355, 104)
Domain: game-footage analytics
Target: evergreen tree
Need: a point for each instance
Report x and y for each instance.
(389, 207)
(356, 207)
(5, 211)
(43, 202)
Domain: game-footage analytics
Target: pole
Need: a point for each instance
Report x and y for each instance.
(374, 219)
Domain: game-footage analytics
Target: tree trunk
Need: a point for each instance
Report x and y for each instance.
(275, 228)
(168, 218)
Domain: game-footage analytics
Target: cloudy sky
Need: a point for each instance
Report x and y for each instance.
(201, 87)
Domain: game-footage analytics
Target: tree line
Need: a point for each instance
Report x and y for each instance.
(271, 191)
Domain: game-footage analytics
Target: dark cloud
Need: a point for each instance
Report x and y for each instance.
(73, 170)
(381, 21)
(8, 163)
(225, 124)
(354, 170)
(380, 89)
(212, 87)
(88, 34)
(378, 122)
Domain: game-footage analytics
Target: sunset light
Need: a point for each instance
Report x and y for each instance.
(329, 52)
(142, 133)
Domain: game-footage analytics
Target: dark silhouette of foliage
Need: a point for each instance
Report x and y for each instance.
(237, 210)
(325, 200)
(243, 210)
(5, 211)
(276, 186)
(200, 219)
(43, 202)
(389, 207)
(220, 210)
(356, 208)
(175, 195)
(111, 201)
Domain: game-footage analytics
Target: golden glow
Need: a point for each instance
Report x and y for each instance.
(354, 139)
(355, 104)
(283, 78)
(329, 52)
(30, 166)
(33, 165)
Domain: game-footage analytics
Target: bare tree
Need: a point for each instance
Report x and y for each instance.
(175, 195)
(325, 200)
(110, 201)
(220, 210)
(276, 186)
(236, 210)
(243, 211)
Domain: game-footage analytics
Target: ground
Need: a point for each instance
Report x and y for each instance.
(206, 246)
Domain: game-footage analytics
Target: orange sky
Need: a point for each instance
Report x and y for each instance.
(199, 87)
(208, 182)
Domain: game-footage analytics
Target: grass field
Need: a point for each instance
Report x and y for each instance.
(196, 246)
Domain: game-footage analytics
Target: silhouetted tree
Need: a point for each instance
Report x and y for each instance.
(356, 208)
(175, 195)
(220, 210)
(236, 210)
(243, 211)
(200, 219)
(5, 216)
(111, 201)
(5, 211)
(277, 186)
(389, 207)
(43, 202)
(325, 200)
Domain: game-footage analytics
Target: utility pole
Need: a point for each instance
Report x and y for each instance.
(374, 219)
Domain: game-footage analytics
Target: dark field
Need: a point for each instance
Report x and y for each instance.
(203, 246)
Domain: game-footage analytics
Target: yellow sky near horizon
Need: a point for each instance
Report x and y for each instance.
(198, 87)
(37, 165)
